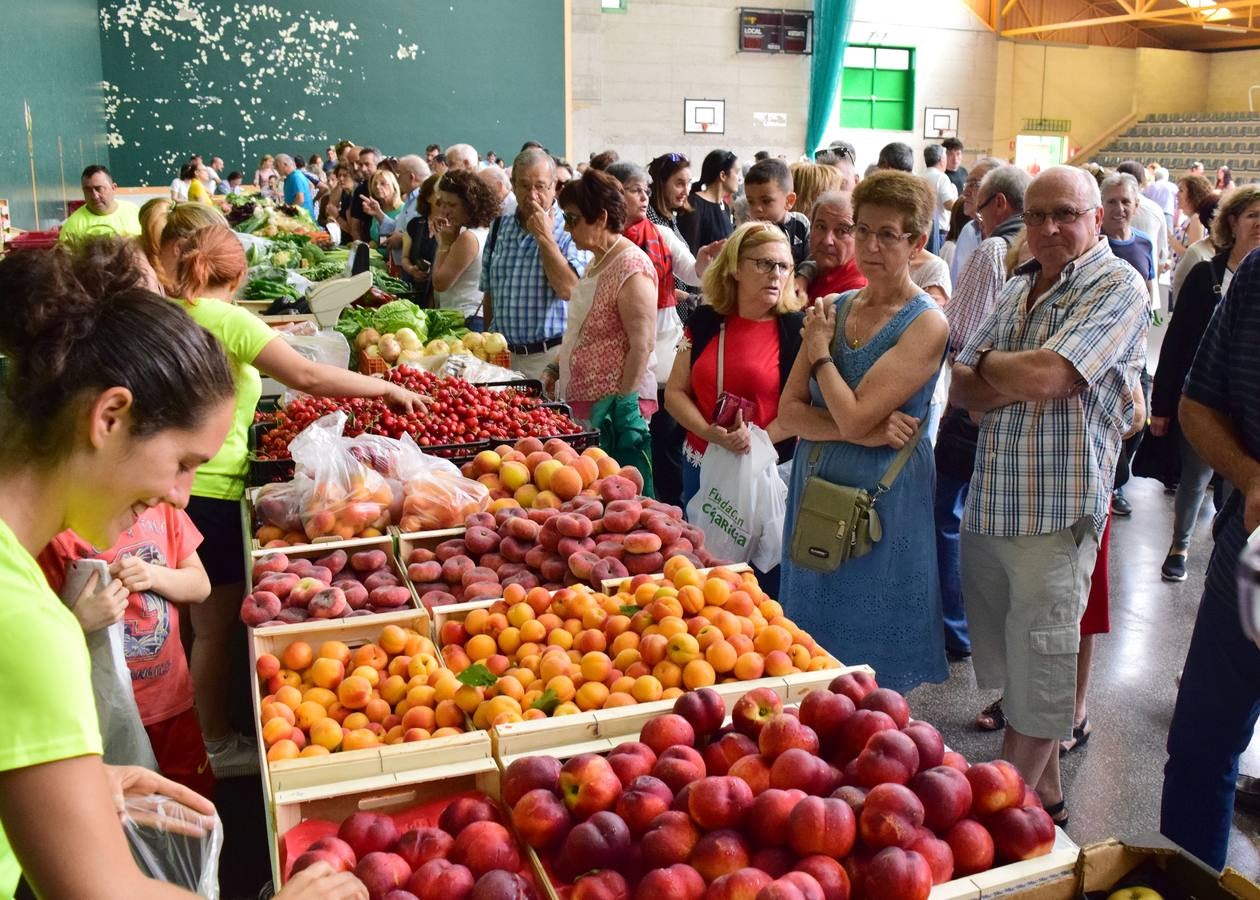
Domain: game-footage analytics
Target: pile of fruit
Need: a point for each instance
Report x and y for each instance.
(536, 475)
(845, 797)
(466, 854)
(333, 699)
(534, 654)
(404, 347)
(459, 413)
(336, 586)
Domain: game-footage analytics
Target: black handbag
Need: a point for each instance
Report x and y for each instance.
(1159, 457)
(956, 441)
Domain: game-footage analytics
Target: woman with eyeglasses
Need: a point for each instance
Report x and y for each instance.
(710, 218)
(859, 391)
(606, 356)
(751, 322)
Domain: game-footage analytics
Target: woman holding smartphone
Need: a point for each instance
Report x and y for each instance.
(113, 398)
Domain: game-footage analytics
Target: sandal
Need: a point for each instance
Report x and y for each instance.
(1080, 736)
(1058, 814)
(991, 717)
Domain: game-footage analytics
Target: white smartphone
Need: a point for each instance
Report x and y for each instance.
(77, 575)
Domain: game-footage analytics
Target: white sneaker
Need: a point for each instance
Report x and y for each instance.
(235, 756)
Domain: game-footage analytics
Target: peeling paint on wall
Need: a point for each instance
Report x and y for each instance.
(274, 60)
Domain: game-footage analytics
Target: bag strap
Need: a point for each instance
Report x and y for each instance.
(899, 462)
(721, 360)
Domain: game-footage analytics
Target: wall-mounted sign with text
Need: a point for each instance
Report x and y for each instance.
(776, 31)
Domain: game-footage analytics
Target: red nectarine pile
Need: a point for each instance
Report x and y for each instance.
(339, 585)
(334, 698)
(577, 650)
(466, 854)
(843, 797)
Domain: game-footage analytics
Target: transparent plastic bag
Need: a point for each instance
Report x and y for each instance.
(280, 503)
(470, 368)
(174, 844)
(324, 346)
(435, 494)
(122, 733)
(346, 499)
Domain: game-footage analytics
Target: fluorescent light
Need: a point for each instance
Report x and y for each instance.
(1233, 29)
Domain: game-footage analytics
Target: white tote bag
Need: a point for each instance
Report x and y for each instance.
(735, 505)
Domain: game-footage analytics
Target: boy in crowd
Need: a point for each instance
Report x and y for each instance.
(234, 183)
(768, 189)
(154, 565)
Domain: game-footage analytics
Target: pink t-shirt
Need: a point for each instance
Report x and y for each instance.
(163, 536)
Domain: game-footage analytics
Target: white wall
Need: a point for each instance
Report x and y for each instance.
(632, 71)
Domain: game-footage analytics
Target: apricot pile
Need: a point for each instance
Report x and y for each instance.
(578, 650)
(534, 475)
(330, 698)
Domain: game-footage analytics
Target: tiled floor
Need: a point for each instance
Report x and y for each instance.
(1113, 783)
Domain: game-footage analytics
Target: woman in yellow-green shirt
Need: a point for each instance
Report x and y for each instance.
(98, 426)
(202, 263)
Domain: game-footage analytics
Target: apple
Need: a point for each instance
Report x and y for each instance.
(529, 773)
(704, 709)
(946, 796)
(896, 874)
(1135, 892)
(751, 711)
(589, 785)
(890, 816)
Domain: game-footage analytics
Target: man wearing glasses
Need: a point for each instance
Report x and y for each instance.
(530, 266)
(969, 238)
(1049, 372)
(999, 215)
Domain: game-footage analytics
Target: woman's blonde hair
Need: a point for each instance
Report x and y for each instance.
(386, 176)
(810, 180)
(266, 158)
(152, 221)
(720, 288)
(1232, 207)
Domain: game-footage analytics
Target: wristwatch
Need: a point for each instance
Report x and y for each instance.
(818, 364)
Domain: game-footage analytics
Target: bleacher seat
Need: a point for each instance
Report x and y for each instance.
(1176, 139)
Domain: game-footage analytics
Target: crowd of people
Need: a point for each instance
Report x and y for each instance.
(968, 347)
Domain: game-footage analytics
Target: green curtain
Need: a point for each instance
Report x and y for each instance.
(831, 29)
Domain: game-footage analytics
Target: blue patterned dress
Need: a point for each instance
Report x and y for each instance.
(884, 608)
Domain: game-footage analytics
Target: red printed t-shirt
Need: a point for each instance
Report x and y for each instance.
(163, 536)
(752, 371)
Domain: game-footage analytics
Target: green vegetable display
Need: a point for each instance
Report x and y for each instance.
(389, 284)
(323, 271)
(428, 324)
(269, 289)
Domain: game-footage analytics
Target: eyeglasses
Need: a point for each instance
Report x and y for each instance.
(992, 197)
(571, 218)
(971, 185)
(886, 237)
(539, 187)
(765, 265)
(1062, 216)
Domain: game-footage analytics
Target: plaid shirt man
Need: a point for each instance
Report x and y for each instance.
(526, 309)
(976, 291)
(1040, 467)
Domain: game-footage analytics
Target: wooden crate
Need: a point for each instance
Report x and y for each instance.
(575, 735)
(315, 551)
(429, 540)
(438, 774)
(351, 765)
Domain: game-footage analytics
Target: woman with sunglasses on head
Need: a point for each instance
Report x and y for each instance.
(860, 388)
(114, 396)
(710, 218)
(670, 176)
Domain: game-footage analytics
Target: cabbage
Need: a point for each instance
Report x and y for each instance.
(401, 314)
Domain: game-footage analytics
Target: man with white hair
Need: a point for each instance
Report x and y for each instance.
(297, 187)
(412, 171)
(969, 238)
(461, 156)
(1164, 193)
(1148, 217)
(1049, 372)
(500, 184)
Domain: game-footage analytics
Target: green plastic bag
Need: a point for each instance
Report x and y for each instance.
(624, 435)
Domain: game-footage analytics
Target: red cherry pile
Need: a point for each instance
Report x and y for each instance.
(459, 413)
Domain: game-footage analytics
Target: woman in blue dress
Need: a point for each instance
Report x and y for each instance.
(859, 390)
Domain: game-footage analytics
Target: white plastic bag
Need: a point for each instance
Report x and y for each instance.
(174, 844)
(736, 504)
(125, 741)
(325, 346)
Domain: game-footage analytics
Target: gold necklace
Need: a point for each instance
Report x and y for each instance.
(856, 343)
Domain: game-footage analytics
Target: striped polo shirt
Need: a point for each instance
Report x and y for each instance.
(1042, 466)
(1226, 377)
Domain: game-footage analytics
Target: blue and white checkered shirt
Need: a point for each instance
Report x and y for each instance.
(526, 309)
(1042, 466)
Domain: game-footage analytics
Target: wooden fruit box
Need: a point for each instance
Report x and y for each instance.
(571, 737)
(429, 540)
(350, 765)
(438, 776)
(316, 551)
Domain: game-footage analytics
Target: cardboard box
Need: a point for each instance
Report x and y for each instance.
(1151, 859)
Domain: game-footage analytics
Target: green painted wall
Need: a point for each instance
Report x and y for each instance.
(52, 60)
(242, 79)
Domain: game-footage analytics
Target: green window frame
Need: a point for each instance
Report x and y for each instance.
(877, 88)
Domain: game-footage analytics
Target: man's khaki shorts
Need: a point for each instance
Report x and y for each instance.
(1025, 597)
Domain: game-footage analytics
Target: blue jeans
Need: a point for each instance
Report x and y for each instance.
(1215, 716)
(951, 501)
